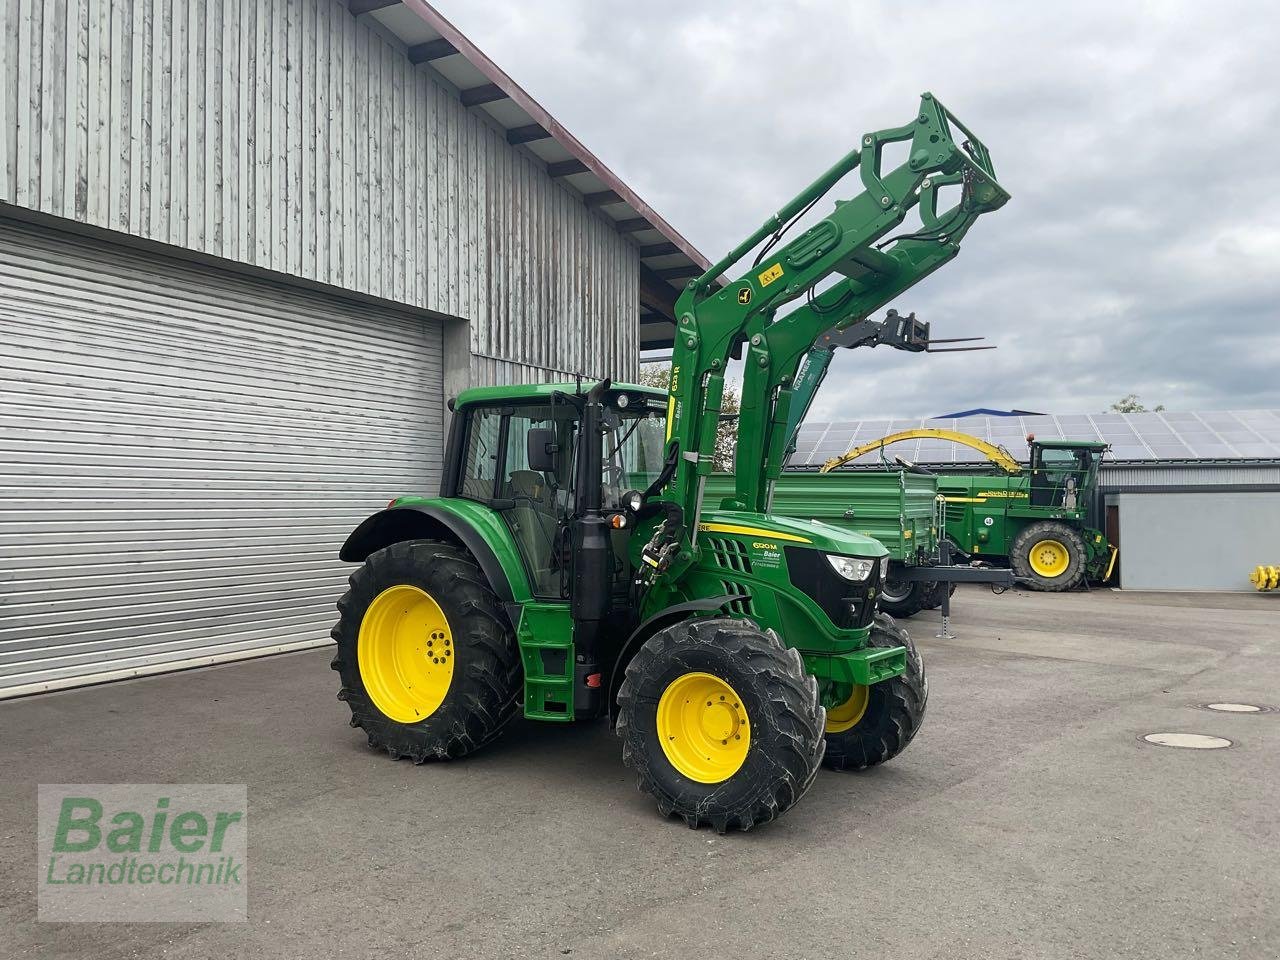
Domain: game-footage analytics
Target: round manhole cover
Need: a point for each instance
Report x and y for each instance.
(1234, 707)
(1189, 741)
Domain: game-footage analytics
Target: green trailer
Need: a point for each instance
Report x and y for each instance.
(901, 509)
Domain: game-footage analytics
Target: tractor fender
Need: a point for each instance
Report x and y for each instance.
(422, 521)
(659, 621)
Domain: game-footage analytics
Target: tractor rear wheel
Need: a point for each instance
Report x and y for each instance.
(429, 666)
(721, 722)
(903, 598)
(1050, 555)
(874, 724)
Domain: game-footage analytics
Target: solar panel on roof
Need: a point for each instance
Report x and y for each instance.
(1142, 419)
(1171, 451)
(1126, 452)
(1134, 436)
(1257, 449)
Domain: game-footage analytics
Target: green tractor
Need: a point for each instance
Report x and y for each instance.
(1034, 518)
(570, 568)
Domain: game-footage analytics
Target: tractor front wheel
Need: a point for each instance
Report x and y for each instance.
(429, 666)
(1049, 555)
(874, 724)
(721, 722)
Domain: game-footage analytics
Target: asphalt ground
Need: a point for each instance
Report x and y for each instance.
(1028, 819)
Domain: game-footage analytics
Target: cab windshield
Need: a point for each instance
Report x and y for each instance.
(1059, 474)
(633, 445)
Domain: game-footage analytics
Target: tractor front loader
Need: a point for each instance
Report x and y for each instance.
(571, 569)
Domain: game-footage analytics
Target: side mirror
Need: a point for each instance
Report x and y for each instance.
(541, 448)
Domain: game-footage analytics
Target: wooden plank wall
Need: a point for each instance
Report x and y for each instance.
(288, 135)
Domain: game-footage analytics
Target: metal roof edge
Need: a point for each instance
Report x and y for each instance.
(496, 75)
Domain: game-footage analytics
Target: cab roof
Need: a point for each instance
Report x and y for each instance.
(522, 392)
(1072, 444)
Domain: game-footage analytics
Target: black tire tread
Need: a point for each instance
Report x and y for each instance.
(483, 696)
(933, 600)
(794, 729)
(917, 599)
(1044, 529)
(894, 713)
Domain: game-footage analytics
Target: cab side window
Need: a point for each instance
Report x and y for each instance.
(479, 472)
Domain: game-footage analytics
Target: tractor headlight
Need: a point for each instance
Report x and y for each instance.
(884, 568)
(851, 568)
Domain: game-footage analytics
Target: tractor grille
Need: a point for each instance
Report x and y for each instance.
(955, 512)
(743, 606)
(730, 554)
(849, 605)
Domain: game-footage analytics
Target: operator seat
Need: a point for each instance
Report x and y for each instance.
(535, 524)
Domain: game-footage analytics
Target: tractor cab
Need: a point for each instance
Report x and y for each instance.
(521, 450)
(1063, 472)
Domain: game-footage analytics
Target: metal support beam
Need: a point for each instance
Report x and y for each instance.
(487, 93)
(601, 199)
(431, 50)
(656, 293)
(565, 168)
(678, 273)
(659, 249)
(633, 225)
(526, 134)
(357, 7)
(658, 341)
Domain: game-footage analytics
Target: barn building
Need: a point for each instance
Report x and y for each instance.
(247, 250)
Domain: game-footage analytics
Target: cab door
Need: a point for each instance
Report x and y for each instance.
(536, 505)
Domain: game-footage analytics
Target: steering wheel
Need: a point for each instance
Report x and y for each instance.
(614, 475)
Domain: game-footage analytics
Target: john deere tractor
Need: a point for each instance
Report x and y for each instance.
(571, 569)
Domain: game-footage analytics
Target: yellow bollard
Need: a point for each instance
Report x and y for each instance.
(1265, 577)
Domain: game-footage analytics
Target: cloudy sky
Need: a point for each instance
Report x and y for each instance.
(1141, 250)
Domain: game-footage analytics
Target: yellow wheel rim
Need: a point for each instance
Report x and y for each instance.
(1050, 558)
(846, 715)
(406, 653)
(703, 727)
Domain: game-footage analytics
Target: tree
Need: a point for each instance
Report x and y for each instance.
(1131, 404)
(659, 375)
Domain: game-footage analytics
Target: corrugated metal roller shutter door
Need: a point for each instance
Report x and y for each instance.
(181, 454)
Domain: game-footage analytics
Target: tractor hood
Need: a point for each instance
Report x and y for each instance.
(785, 531)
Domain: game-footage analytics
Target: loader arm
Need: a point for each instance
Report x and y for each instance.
(849, 243)
(894, 331)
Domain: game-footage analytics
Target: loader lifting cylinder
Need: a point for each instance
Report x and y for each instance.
(573, 567)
